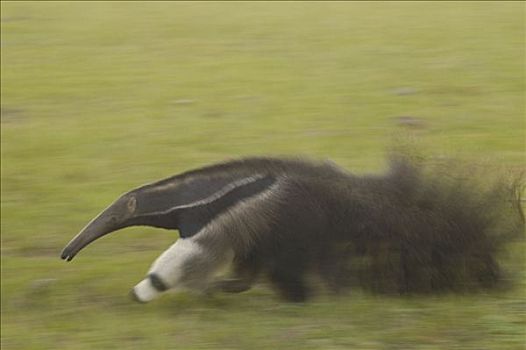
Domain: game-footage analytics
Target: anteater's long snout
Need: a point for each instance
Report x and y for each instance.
(98, 227)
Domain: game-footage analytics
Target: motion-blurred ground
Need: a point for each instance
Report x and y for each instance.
(99, 97)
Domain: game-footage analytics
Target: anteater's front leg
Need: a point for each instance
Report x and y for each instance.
(187, 264)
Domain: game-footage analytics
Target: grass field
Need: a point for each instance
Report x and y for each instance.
(100, 97)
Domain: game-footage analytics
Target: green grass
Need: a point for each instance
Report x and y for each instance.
(99, 97)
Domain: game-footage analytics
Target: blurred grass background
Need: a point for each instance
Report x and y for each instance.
(100, 97)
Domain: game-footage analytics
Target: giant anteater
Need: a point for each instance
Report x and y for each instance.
(410, 230)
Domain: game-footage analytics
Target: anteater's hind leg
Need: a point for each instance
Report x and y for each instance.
(288, 276)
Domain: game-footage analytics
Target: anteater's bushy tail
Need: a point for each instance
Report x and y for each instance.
(440, 226)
